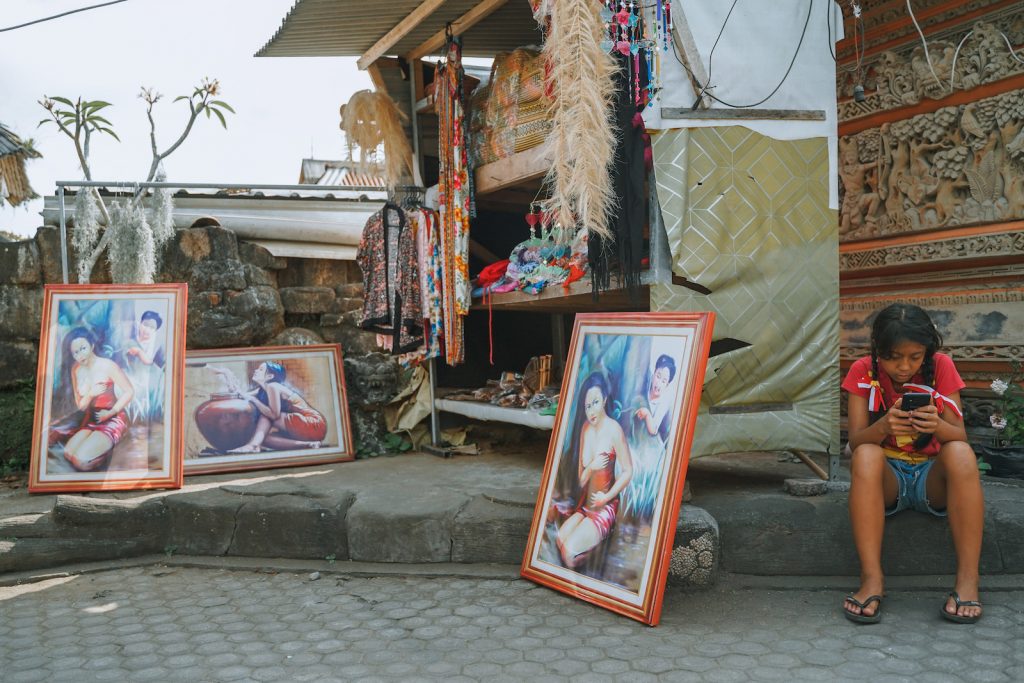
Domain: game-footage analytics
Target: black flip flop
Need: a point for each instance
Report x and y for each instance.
(953, 616)
(864, 618)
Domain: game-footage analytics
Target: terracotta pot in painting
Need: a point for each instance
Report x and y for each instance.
(226, 421)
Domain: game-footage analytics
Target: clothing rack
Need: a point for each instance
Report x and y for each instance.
(406, 196)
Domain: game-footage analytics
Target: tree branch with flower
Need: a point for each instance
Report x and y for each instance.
(132, 238)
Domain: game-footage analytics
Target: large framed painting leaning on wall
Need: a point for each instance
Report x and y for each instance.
(108, 388)
(609, 499)
(264, 407)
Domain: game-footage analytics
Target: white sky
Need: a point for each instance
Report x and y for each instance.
(287, 107)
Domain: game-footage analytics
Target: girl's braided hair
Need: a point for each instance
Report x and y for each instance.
(899, 323)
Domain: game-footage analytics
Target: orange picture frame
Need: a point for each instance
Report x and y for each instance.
(609, 499)
(265, 407)
(108, 388)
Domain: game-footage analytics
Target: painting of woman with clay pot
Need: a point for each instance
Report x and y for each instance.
(265, 407)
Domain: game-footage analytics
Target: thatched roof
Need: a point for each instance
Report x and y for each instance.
(14, 186)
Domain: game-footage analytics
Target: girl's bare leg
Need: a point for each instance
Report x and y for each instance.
(583, 538)
(73, 444)
(954, 483)
(873, 487)
(262, 428)
(88, 455)
(564, 532)
(282, 443)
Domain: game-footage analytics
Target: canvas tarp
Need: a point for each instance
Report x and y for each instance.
(747, 217)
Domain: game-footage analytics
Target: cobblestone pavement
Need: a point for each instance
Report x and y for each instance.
(165, 623)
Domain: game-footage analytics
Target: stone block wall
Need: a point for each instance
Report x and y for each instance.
(239, 295)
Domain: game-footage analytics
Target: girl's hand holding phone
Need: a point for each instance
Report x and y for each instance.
(897, 422)
(925, 420)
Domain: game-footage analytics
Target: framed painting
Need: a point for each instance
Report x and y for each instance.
(609, 499)
(108, 388)
(265, 407)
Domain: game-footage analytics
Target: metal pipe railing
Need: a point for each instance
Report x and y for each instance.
(66, 184)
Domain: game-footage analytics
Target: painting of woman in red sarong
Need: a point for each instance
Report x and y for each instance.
(613, 459)
(108, 392)
(290, 410)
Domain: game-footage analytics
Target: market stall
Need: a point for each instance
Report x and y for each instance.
(542, 163)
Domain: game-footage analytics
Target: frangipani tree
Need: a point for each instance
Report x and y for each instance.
(133, 236)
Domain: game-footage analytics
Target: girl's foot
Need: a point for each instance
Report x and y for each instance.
(966, 592)
(247, 448)
(314, 444)
(868, 588)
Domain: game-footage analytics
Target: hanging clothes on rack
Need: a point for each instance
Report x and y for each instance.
(391, 281)
(454, 196)
(425, 226)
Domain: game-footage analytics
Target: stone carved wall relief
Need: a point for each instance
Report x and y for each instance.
(902, 77)
(956, 166)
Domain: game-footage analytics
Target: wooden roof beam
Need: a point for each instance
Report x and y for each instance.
(399, 31)
(435, 42)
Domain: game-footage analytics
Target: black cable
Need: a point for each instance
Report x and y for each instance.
(62, 14)
(828, 22)
(712, 53)
(810, 5)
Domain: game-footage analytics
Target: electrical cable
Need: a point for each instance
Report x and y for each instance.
(712, 53)
(62, 14)
(803, 33)
(924, 42)
(828, 22)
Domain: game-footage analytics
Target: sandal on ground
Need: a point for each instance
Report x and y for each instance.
(864, 618)
(953, 616)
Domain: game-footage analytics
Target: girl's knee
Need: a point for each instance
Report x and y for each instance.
(957, 457)
(867, 460)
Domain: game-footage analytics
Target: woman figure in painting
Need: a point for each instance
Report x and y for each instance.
(652, 412)
(603, 449)
(93, 382)
(146, 348)
(144, 358)
(286, 420)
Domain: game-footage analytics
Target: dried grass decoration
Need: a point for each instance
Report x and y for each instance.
(370, 120)
(582, 137)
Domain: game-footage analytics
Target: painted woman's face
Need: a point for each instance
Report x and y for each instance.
(659, 380)
(147, 330)
(260, 374)
(81, 349)
(593, 404)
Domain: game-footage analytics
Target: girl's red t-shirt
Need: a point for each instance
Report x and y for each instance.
(947, 381)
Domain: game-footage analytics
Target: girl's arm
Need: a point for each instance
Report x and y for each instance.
(127, 392)
(946, 427)
(81, 401)
(584, 470)
(272, 408)
(894, 422)
(625, 462)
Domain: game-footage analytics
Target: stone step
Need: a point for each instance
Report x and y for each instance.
(36, 525)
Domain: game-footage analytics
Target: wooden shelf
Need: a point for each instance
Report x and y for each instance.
(518, 169)
(578, 298)
(487, 412)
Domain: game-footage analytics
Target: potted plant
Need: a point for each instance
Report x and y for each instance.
(1006, 454)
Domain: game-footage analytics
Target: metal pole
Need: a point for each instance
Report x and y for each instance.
(435, 419)
(414, 73)
(307, 187)
(63, 236)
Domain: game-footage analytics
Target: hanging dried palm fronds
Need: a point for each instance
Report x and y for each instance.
(371, 120)
(582, 136)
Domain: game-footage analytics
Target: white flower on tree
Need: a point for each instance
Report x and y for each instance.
(998, 421)
(999, 386)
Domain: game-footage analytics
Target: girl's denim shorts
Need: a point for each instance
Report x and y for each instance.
(913, 494)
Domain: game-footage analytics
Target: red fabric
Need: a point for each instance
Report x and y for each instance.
(947, 381)
(304, 425)
(575, 273)
(492, 273)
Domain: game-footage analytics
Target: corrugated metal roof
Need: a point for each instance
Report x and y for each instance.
(334, 173)
(345, 28)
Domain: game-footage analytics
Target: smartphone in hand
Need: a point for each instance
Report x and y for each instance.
(913, 401)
